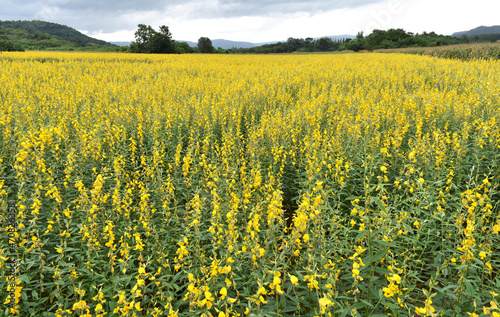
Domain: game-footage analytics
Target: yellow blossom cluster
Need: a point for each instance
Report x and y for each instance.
(249, 185)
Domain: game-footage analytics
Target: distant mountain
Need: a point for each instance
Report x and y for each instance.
(338, 37)
(479, 30)
(121, 43)
(192, 44)
(35, 31)
(227, 44)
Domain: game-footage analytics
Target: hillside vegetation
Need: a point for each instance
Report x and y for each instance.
(40, 35)
(480, 30)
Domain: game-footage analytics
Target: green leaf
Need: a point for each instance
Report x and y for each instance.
(24, 278)
(361, 235)
(379, 204)
(289, 309)
(376, 257)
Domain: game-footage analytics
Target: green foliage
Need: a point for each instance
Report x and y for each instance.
(38, 35)
(324, 44)
(6, 45)
(399, 38)
(150, 41)
(182, 48)
(355, 45)
(40, 30)
(492, 37)
(378, 39)
(138, 193)
(205, 45)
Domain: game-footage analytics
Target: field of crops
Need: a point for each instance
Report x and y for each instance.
(229, 185)
(464, 52)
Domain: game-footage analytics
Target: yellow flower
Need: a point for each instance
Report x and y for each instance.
(294, 280)
(142, 270)
(262, 290)
(360, 250)
(420, 310)
(305, 238)
(262, 300)
(276, 280)
(209, 296)
(388, 292)
(98, 307)
(223, 292)
(355, 272)
(278, 289)
(138, 306)
(325, 302)
(395, 278)
(222, 314)
(80, 305)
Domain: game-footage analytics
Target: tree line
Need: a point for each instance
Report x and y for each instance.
(150, 41)
(399, 38)
(20, 35)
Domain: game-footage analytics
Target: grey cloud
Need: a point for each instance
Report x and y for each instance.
(113, 15)
(271, 7)
(113, 6)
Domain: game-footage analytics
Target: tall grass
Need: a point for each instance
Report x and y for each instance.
(464, 52)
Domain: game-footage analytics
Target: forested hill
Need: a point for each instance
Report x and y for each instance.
(30, 34)
(480, 30)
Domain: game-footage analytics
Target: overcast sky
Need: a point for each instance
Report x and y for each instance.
(255, 20)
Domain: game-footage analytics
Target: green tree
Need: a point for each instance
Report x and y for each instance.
(355, 45)
(294, 44)
(309, 44)
(324, 44)
(182, 48)
(6, 45)
(150, 41)
(162, 42)
(205, 45)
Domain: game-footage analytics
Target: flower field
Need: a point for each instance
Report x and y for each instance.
(230, 185)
